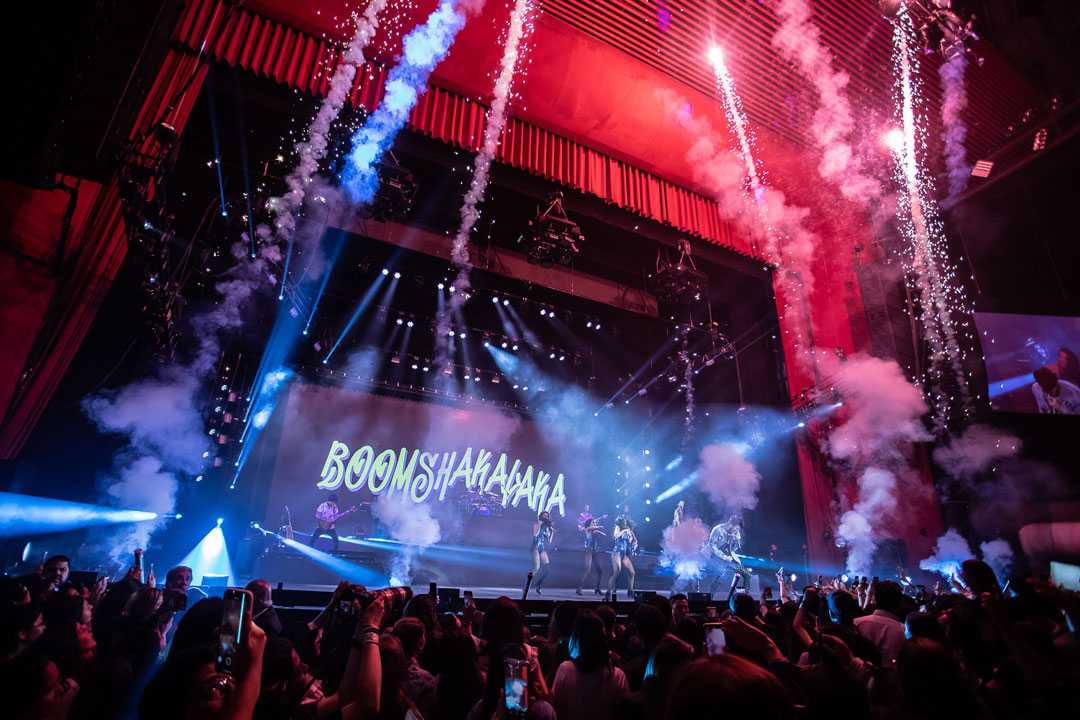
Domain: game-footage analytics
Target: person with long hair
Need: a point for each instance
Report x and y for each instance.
(543, 535)
(504, 634)
(1068, 366)
(593, 530)
(625, 544)
(680, 511)
(588, 686)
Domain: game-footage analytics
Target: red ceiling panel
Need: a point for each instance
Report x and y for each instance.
(575, 88)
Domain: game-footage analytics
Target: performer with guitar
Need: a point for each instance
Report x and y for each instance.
(327, 515)
(590, 525)
(725, 542)
(625, 545)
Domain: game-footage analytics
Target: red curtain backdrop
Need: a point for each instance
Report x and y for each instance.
(50, 295)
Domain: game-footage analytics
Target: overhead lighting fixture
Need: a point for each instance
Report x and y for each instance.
(506, 302)
(397, 276)
(543, 312)
(441, 285)
(409, 323)
(396, 359)
(552, 237)
(495, 300)
(400, 321)
(385, 271)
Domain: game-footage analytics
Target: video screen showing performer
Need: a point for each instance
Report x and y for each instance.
(1031, 362)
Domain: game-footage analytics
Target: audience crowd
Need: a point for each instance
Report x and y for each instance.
(134, 649)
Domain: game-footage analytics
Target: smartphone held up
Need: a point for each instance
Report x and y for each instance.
(235, 625)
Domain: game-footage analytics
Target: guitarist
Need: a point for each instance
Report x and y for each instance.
(725, 542)
(327, 515)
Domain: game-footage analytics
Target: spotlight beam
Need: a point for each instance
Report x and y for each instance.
(210, 556)
(22, 515)
(365, 301)
(327, 271)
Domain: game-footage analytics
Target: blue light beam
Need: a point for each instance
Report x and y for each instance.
(365, 301)
(22, 515)
(210, 556)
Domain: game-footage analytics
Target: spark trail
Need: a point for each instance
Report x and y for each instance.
(517, 33)
(939, 294)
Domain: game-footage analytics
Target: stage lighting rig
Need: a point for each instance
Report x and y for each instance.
(941, 28)
(679, 283)
(552, 238)
(396, 193)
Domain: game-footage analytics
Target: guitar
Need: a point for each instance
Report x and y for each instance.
(328, 524)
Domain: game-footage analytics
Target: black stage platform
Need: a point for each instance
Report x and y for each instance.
(492, 577)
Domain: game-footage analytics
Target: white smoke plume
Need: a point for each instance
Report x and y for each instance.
(998, 554)
(140, 483)
(731, 481)
(953, 103)
(860, 527)
(799, 40)
(312, 149)
(682, 548)
(161, 416)
(976, 451)
(950, 550)
(883, 410)
(412, 525)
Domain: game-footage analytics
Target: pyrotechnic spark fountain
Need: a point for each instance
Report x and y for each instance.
(312, 150)
(517, 33)
(736, 118)
(424, 48)
(939, 294)
(786, 241)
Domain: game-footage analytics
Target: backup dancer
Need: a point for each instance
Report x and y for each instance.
(543, 535)
(624, 547)
(593, 556)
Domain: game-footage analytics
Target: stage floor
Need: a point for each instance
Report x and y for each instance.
(492, 592)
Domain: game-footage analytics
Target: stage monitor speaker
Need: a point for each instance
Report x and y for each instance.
(640, 595)
(699, 597)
